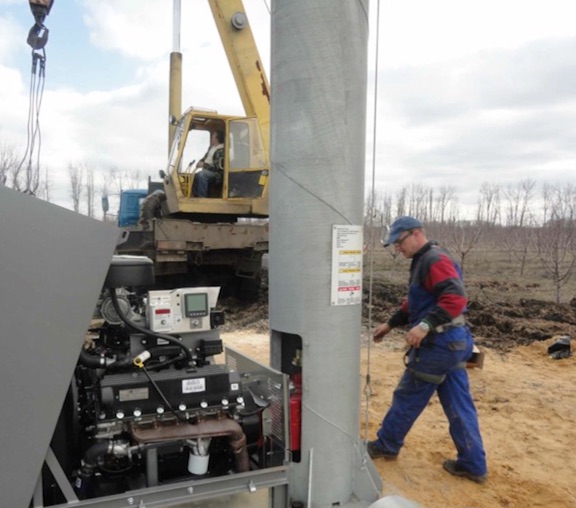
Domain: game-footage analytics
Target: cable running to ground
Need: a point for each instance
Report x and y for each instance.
(367, 387)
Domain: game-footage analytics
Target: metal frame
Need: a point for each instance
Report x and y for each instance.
(191, 491)
(273, 478)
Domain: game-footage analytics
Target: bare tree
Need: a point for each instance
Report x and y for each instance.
(464, 238)
(417, 206)
(378, 209)
(76, 176)
(556, 239)
(401, 201)
(445, 200)
(134, 178)
(120, 179)
(90, 190)
(559, 201)
(489, 204)
(519, 198)
(384, 203)
(430, 205)
(46, 186)
(520, 243)
(9, 164)
(114, 180)
(555, 246)
(21, 175)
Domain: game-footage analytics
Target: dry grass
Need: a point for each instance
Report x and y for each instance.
(490, 274)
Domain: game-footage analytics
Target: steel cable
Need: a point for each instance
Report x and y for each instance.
(367, 387)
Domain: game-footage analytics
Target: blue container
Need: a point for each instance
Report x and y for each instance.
(130, 201)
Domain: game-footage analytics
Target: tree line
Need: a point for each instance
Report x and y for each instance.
(528, 221)
(531, 224)
(85, 183)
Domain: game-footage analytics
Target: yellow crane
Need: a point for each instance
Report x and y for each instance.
(243, 191)
(188, 234)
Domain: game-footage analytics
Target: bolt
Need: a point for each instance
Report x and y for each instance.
(239, 20)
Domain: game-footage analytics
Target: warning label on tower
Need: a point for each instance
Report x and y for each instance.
(347, 244)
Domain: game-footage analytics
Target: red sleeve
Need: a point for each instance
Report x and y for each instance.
(444, 280)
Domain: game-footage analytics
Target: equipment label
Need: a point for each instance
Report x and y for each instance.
(346, 286)
(194, 385)
(132, 394)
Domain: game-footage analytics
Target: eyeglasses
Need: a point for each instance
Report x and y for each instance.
(400, 241)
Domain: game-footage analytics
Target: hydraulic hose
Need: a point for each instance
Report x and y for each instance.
(145, 331)
(93, 361)
(83, 483)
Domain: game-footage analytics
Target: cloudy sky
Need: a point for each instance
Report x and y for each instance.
(468, 91)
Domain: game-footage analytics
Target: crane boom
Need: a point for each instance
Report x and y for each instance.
(244, 60)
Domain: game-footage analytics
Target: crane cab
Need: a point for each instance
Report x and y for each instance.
(242, 190)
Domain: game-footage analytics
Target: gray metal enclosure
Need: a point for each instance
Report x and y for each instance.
(52, 266)
(318, 79)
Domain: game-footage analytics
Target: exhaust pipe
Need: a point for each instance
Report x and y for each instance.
(223, 427)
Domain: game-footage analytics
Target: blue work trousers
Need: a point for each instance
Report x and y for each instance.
(201, 183)
(443, 356)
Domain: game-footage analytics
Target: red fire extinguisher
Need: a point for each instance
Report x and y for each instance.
(296, 413)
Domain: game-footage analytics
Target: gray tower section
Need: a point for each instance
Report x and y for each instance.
(319, 73)
(53, 263)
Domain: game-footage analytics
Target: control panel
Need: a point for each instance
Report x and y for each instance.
(181, 310)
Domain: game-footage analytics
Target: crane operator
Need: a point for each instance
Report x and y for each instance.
(211, 166)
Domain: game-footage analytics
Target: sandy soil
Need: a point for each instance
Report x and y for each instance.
(527, 408)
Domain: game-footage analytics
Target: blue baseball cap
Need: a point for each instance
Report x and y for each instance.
(401, 224)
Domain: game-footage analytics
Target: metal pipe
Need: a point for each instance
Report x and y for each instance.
(175, 77)
(310, 466)
(176, 25)
(205, 428)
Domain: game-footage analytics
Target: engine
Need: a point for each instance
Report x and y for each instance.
(150, 404)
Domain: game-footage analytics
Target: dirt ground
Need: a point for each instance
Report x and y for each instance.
(526, 403)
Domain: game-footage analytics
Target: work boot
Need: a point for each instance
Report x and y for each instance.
(376, 451)
(457, 470)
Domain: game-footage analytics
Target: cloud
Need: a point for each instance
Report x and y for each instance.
(494, 116)
(12, 36)
(136, 29)
(423, 32)
(467, 92)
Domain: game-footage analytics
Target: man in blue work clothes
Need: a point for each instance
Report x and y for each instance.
(440, 343)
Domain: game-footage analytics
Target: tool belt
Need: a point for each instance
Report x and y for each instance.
(455, 323)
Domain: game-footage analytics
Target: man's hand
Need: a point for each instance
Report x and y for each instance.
(200, 164)
(380, 331)
(415, 336)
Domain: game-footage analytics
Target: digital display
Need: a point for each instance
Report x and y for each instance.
(196, 304)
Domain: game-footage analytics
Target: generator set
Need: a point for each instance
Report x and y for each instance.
(150, 404)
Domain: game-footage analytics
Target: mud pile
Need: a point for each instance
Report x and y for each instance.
(497, 325)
